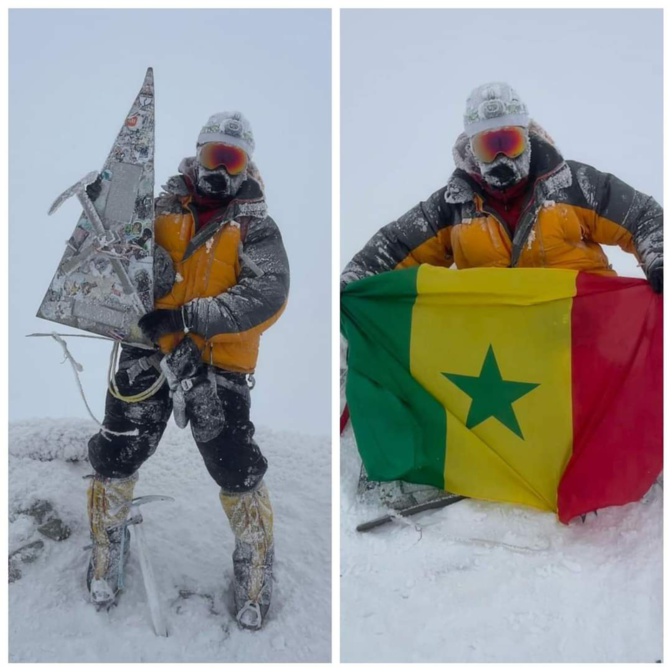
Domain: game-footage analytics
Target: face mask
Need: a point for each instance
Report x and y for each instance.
(218, 183)
(504, 172)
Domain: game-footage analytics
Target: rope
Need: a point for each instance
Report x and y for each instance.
(134, 398)
(53, 333)
(77, 368)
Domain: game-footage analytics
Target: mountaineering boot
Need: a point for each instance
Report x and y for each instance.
(251, 518)
(109, 502)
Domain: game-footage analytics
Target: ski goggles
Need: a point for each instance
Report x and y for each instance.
(213, 155)
(510, 140)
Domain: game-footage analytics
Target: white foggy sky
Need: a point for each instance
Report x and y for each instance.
(592, 78)
(67, 100)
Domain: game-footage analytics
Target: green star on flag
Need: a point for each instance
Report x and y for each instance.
(491, 395)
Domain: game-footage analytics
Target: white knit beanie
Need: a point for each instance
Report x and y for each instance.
(230, 128)
(494, 105)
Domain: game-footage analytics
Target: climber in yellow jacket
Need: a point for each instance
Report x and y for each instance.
(514, 201)
(221, 279)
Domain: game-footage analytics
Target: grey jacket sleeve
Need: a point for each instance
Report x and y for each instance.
(401, 239)
(261, 292)
(630, 210)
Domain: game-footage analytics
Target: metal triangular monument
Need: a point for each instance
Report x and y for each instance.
(104, 282)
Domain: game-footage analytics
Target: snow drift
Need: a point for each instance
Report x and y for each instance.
(485, 582)
(190, 546)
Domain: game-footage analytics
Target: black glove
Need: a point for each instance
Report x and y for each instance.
(655, 276)
(93, 190)
(161, 322)
(194, 391)
(185, 361)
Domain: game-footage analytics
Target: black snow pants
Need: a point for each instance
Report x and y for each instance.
(232, 458)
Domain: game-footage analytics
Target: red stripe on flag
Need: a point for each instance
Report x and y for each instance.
(617, 394)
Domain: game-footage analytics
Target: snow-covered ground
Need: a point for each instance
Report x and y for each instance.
(482, 582)
(190, 547)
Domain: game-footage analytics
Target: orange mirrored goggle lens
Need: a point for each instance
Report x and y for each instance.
(510, 141)
(215, 155)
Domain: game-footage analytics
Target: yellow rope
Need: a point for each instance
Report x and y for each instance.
(131, 399)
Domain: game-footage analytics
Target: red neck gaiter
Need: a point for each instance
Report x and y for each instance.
(206, 207)
(507, 203)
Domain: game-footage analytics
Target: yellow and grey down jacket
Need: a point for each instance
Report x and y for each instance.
(572, 210)
(232, 276)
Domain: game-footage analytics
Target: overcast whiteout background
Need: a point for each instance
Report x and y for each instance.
(480, 582)
(73, 75)
(592, 78)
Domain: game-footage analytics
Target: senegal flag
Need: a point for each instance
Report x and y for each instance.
(533, 386)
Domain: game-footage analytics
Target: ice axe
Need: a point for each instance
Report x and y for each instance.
(104, 236)
(79, 189)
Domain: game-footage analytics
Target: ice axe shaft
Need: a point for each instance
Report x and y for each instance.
(156, 613)
(409, 511)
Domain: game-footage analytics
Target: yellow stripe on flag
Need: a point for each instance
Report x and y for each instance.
(493, 346)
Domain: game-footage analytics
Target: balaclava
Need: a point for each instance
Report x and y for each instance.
(230, 128)
(491, 106)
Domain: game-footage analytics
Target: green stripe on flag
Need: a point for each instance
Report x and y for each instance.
(397, 424)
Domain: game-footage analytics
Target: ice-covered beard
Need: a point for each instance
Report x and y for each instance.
(504, 172)
(218, 183)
